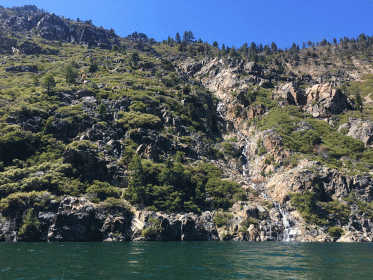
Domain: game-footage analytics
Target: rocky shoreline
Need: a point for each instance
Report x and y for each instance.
(75, 219)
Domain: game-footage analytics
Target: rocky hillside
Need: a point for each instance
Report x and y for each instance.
(118, 139)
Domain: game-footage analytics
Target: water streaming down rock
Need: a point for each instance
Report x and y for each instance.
(290, 231)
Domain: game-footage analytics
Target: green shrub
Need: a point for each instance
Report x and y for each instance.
(134, 119)
(29, 231)
(112, 202)
(306, 205)
(268, 204)
(364, 207)
(153, 231)
(222, 219)
(338, 210)
(171, 186)
(228, 148)
(243, 229)
(247, 223)
(17, 144)
(223, 192)
(335, 232)
(93, 67)
(137, 106)
(20, 201)
(82, 145)
(103, 190)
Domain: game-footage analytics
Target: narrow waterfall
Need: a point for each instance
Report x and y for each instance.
(289, 231)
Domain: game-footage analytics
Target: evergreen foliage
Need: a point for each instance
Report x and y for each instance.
(49, 83)
(173, 187)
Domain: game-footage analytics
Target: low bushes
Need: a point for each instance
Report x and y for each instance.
(29, 230)
(320, 213)
(18, 202)
(335, 232)
(134, 119)
(224, 192)
(153, 231)
(103, 190)
(222, 219)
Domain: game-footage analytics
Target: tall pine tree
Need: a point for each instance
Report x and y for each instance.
(177, 38)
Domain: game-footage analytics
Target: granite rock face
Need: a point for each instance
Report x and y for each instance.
(54, 28)
(358, 129)
(324, 99)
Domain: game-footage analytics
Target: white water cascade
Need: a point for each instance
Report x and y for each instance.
(289, 231)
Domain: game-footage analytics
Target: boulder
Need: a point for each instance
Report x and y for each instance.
(325, 99)
(291, 93)
(359, 129)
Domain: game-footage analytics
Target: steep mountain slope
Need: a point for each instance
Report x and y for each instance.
(110, 138)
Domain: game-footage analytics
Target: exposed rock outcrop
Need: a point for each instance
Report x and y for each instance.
(324, 99)
(291, 93)
(22, 68)
(358, 129)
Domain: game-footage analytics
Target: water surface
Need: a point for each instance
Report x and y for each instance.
(186, 260)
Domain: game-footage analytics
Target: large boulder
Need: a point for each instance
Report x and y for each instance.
(52, 27)
(358, 129)
(7, 45)
(325, 99)
(291, 93)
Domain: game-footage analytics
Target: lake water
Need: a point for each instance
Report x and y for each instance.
(186, 260)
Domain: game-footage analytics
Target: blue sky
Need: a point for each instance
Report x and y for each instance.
(231, 22)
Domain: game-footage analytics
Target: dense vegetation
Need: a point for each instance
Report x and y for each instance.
(173, 187)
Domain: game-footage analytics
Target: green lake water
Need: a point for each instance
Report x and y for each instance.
(186, 260)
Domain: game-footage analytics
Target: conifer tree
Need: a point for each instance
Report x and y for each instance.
(136, 191)
(70, 74)
(223, 48)
(48, 83)
(274, 47)
(177, 38)
(359, 102)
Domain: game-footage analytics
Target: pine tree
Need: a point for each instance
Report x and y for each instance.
(48, 83)
(188, 37)
(166, 177)
(136, 191)
(359, 102)
(274, 47)
(158, 75)
(70, 74)
(177, 38)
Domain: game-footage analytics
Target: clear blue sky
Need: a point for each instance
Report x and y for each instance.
(231, 22)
